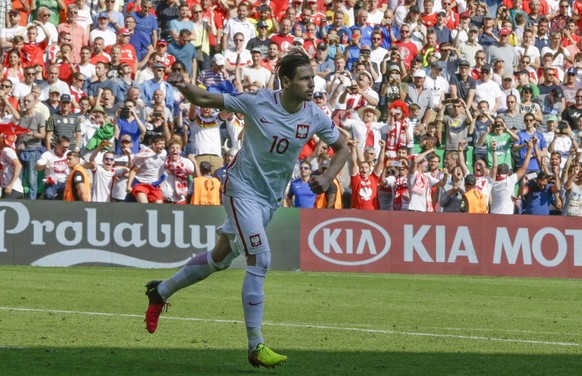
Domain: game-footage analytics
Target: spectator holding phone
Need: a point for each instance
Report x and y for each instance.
(503, 138)
(129, 123)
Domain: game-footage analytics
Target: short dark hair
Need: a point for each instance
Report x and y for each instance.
(289, 63)
(205, 167)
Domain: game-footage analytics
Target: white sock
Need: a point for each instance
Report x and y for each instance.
(253, 298)
(197, 269)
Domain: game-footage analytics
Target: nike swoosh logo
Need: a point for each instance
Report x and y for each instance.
(263, 120)
(253, 304)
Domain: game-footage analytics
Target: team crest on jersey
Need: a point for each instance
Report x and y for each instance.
(255, 240)
(302, 131)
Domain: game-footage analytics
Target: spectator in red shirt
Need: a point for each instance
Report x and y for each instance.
(32, 52)
(428, 17)
(364, 180)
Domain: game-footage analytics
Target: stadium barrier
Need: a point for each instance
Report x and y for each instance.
(44, 233)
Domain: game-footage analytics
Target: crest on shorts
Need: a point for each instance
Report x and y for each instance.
(255, 240)
(302, 131)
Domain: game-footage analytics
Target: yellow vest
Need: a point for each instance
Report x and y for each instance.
(206, 191)
(476, 202)
(321, 199)
(68, 194)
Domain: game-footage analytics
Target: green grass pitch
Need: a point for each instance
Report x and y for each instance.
(89, 321)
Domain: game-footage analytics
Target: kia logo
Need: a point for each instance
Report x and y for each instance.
(349, 241)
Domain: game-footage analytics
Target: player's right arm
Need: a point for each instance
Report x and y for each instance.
(194, 94)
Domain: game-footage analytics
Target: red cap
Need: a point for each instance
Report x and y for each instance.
(504, 31)
(465, 15)
(124, 31)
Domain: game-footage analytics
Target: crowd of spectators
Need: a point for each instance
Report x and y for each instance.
(446, 105)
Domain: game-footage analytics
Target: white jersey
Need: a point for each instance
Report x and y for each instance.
(57, 166)
(271, 145)
(7, 157)
(103, 182)
(501, 195)
(205, 135)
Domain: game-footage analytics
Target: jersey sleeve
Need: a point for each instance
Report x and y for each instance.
(240, 102)
(328, 131)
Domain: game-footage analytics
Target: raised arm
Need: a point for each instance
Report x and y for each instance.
(194, 94)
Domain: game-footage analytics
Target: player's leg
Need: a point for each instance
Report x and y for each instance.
(251, 218)
(197, 269)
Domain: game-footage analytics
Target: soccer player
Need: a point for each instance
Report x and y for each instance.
(277, 126)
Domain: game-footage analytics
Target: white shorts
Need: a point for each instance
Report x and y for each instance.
(246, 221)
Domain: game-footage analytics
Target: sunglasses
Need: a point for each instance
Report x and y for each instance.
(108, 159)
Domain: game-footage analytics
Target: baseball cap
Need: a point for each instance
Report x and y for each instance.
(465, 15)
(497, 59)
(256, 49)
(558, 93)
(322, 46)
(263, 8)
(218, 59)
(159, 66)
(124, 31)
(419, 73)
(162, 42)
(318, 94)
(474, 28)
(470, 180)
(103, 15)
(365, 47)
(262, 24)
(125, 137)
(54, 89)
(298, 40)
(527, 87)
(442, 12)
(552, 118)
(486, 68)
(394, 67)
(504, 31)
(65, 98)
(414, 9)
(572, 70)
(489, 15)
(437, 64)
(462, 62)
(507, 76)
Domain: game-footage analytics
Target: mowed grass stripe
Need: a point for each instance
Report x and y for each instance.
(310, 326)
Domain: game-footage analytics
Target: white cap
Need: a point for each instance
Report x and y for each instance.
(218, 59)
(419, 73)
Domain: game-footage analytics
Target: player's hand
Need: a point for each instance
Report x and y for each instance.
(318, 184)
(176, 79)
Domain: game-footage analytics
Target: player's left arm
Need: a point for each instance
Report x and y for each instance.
(320, 183)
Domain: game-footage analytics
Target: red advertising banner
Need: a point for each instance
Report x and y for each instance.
(440, 243)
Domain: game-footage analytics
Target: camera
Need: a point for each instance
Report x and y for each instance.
(157, 114)
(124, 113)
(563, 125)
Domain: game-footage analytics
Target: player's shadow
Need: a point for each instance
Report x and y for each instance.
(167, 361)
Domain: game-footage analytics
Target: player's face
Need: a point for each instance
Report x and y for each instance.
(302, 84)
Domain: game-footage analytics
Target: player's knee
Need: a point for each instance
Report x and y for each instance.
(222, 264)
(262, 264)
